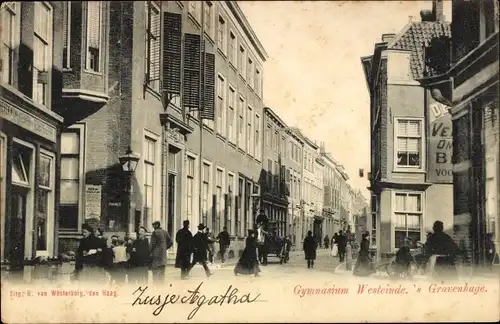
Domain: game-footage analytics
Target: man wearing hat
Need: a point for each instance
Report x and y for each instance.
(200, 249)
(160, 243)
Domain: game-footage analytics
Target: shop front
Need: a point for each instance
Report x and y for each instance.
(29, 158)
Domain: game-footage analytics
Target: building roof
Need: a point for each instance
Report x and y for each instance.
(415, 37)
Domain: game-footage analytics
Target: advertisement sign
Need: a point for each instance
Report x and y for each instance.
(93, 201)
(440, 148)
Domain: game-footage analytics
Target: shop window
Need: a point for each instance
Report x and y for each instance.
(149, 178)
(21, 165)
(44, 196)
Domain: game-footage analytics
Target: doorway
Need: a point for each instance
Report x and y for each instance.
(171, 203)
(18, 225)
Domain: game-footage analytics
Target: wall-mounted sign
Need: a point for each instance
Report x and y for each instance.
(93, 201)
(440, 148)
(21, 118)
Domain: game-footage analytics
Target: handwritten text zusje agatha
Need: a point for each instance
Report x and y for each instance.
(194, 297)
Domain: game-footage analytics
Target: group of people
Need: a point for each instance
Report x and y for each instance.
(198, 248)
(122, 257)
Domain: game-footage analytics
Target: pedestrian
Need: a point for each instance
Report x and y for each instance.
(140, 258)
(326, 241)
(490, 250)
(184, 240)
(342, 245)
(200, 249)
(89, 256)
(404, 257)
(211, 244)
(443, 251)
(160, 243)
(248, 262)
(364, 266)
(224, 242)
(120, 261)
(310, 246)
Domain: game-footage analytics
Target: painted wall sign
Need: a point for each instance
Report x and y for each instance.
(93, 201)
(21, 118)
(440, 148)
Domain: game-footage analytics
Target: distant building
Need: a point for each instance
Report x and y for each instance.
(411, 180)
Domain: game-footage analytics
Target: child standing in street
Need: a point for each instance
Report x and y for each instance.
(120, 262)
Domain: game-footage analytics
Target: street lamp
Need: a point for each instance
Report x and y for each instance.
(129, 163)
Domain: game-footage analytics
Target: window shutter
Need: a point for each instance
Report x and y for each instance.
(209, 88)
(172, 53)
(94, 23)
(191, 90)
(154, 43)
(65, 23)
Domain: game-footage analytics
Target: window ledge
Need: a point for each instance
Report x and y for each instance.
(409, 170)
(221, 137)
(233, 66)
(221, 52)
(93, 72)
(67, 70)
(193, 19)
(208, 128)
(87, 95)
(233, 145)
(153, 92)
(241, 150)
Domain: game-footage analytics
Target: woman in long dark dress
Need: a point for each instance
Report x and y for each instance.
(248, 263)
(364, 263)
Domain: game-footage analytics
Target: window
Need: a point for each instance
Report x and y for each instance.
(268, 136)
(206, 192)
(66, 34)
(44, 201)
(257, 137)
(230, 115)
(42, 53)
(94, 12)
(250, 146)
(230, 188)
(409, 143)
(221, 35)
(149, 177)
(241, 124)
(240, 209)
(190, 185)
(221, 106)
(219, 198)
(11, 33)
(408, 217)
(70, 179)
(258, 82)
(250, 73)
(232, 48)
(241, 62)
(269, 173)
(209, 18)
(153, 45)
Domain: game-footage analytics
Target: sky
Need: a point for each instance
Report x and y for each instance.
(313, 77)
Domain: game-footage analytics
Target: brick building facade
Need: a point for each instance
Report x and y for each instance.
(410, 175)
(30, 91)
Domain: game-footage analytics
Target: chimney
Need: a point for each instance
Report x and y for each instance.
(426, 15)
(386, 38)
(437, 10)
